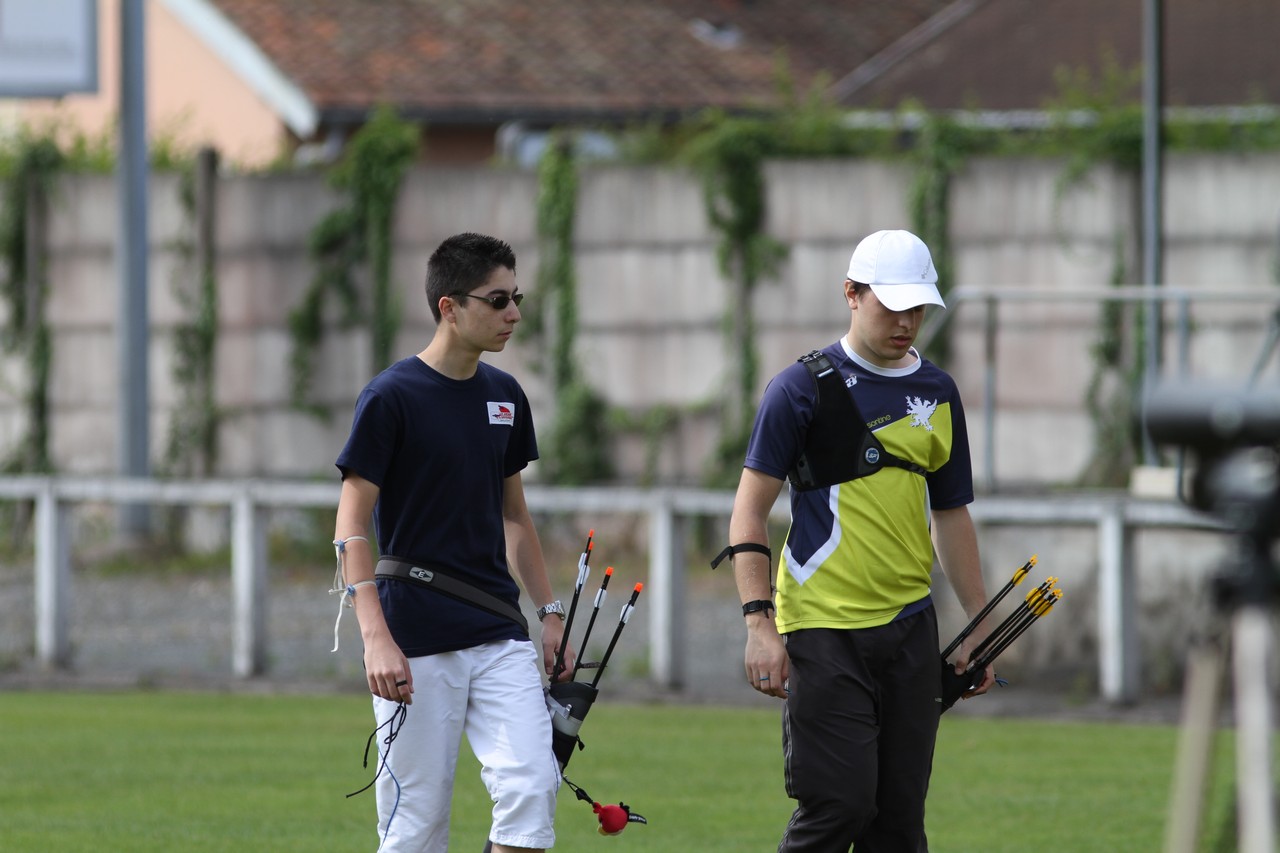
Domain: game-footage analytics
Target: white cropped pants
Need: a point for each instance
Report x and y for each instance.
(492, 693)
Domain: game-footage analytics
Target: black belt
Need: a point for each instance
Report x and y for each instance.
(434, 577)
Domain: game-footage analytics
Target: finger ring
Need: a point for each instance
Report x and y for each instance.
(401, 683)
(764, 678)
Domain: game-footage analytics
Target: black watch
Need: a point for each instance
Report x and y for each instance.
(760, 604)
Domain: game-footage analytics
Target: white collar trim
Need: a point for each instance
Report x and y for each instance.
(883, 371)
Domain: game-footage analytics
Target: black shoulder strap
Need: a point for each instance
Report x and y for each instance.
(838, 446)
(441, 580)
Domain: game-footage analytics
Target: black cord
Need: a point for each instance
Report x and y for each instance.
(393, 725)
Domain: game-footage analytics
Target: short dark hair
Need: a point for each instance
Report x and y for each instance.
(859, 288)
(462, 263)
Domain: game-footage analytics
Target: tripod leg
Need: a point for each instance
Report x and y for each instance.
(1251, 637)
(1195, 746)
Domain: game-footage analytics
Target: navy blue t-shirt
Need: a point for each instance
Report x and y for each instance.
(439, 450)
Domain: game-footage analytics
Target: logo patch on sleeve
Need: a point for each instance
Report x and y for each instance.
(502, 413)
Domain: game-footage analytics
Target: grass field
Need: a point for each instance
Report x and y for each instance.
(166, 771)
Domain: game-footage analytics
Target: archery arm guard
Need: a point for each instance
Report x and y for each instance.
(730, 550)
(568, 702)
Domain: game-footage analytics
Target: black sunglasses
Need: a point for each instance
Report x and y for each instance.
(497, 303)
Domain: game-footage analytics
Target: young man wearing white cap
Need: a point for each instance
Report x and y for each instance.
(875, 485)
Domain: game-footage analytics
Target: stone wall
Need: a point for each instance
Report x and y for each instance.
(651, 297)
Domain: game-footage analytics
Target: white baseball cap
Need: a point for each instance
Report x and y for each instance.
(899, 268)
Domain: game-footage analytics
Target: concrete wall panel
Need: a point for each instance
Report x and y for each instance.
(641, 206)
(836, 201)
(1221, 197)
(651, 298)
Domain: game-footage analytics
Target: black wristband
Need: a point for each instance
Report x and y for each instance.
(757, 606)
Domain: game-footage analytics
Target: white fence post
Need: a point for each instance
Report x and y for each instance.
(52, 580)
(1117, 640)
(249, 586)
(666, 583)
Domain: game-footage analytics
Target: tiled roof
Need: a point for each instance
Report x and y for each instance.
(487, 60)
(1003, 54)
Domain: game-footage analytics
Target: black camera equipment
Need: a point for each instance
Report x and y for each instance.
(1234, 435)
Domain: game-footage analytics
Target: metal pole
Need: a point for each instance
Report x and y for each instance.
(990, 331)
(132, 181)
(1152, 202)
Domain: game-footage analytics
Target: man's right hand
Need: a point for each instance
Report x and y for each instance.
(388, 671)
(767, 664)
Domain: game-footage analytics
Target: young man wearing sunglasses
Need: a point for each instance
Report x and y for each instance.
(435, 455)
(872, 438)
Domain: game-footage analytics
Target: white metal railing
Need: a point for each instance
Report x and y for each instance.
(1263, 304)
(667, 509)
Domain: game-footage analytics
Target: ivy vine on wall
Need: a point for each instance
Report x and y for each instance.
(29, 172)
(1112, 390)
(356, 234)
(192, 446)
(1114, 137)
(941, 152)
(31, 161)
(577, 451)
(729, 154)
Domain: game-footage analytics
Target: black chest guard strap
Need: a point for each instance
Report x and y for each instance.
(838, 446)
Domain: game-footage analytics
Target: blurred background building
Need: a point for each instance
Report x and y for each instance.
(279, 81)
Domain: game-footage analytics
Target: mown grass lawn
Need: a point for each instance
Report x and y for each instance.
(165, 771)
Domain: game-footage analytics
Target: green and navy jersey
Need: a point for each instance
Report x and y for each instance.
(858, 553)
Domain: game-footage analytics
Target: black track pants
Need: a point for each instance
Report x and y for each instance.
(858, 733)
